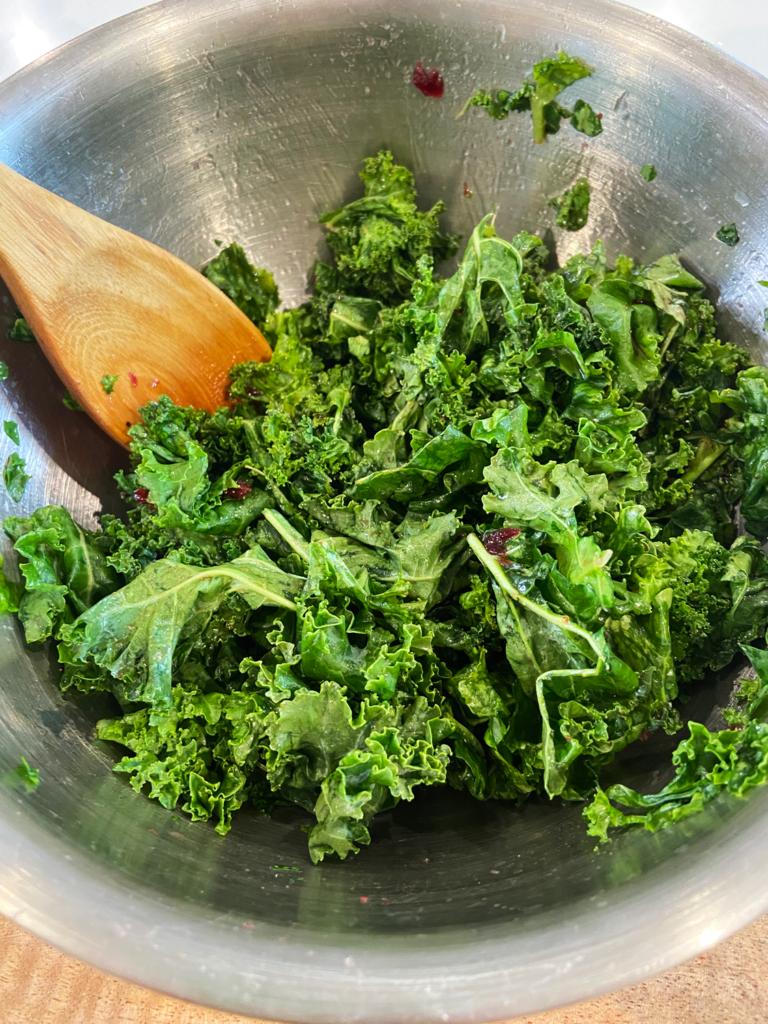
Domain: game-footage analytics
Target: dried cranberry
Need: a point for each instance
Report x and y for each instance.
(251, 391)
(495, 542)
(141, 494)
(428, 82)
(237, 493)
(133, 378)
(645, 735)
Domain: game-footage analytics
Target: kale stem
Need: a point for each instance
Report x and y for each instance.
(291, 536)
(511, 590)
(670, 335)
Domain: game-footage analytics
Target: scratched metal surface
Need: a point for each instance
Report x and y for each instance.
(194, 120)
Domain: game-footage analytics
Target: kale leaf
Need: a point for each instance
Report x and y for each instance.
(572, 206)
(729, 234)
(539, 95)
(253, 291)
(15, 476)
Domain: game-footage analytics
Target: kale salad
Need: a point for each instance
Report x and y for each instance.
(482, 530)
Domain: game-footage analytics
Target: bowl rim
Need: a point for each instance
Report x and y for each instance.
(86, 912)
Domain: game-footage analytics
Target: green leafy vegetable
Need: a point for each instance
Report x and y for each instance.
(15, 476)
(478, 530)
(253, 291)
(708, 763)
(539, 95)
(24, 776)
(3, 371)
(379, 239)
(20, 330)
(728, 234)
(108, 382)
(649, 172)
(70, 402)
(11, 429)
(10, 593)
(585, 120)
(572, 206)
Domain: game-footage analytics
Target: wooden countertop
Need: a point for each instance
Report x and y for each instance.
(727, 985)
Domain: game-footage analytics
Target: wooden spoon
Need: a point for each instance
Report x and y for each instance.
(101, 301)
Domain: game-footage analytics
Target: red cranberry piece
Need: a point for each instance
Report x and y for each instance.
(236, 493)
(495, 542)
(428, 82)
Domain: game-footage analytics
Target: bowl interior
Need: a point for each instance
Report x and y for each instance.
(192, 121)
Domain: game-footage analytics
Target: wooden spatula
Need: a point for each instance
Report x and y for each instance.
(101, 301)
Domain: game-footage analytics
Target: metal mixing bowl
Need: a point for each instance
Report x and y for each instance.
(243, 119)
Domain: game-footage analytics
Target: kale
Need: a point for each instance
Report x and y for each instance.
(11, 429)
(476, 531)
(10, 593)
(539, 93)
(572, 206)
(729, 234)
(108, 382)
(20, 330)
(15, 476)
(25, 777)
(70, 402)
(733, 760)
(649, 172)
(253, 291)
(585, 120)
(3, 371)
(379, 239)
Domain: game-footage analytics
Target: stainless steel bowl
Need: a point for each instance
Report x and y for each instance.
(243, 119)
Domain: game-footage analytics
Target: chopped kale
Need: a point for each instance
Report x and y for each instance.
(475, 530)
(539, 95)
(728, 234)
(10, 593)
(11, 429)
(15, 477)
(20, 330)
(24, 776)
(253, 291)
(108, 382)
(649, 172)
(70, 402)
(572, 206)
(585, 120)
(3, 371)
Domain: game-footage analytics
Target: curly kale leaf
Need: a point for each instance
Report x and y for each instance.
(539, 95)
(10, 593)
(707, 764)
(253, 291)
(378, 240)
(144, 630)
(21, 331)
(64, 566)
(15, 476)
(201, 750)
(729, 234)
(572, 206)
